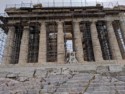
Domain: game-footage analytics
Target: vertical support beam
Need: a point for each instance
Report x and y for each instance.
(23, 57)
(9, 46)
(78, 42)
(95, 42)
(116, 54)
(60, 43)
(42, 44)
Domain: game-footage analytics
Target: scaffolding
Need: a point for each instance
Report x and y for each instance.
(51, 42)
(51, 36)
(16, 44)
(87, 41)
(33, 45)
(2, 43)
(3, 36)
(104, 40)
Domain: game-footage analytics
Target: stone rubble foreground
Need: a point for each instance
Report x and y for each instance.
(63, 80)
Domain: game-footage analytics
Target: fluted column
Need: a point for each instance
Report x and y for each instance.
(42, 44)
(9, 46)
(23, 57)
(78, 42)
(113, 42)
(95, 41)
(122, 27)
(60, 43)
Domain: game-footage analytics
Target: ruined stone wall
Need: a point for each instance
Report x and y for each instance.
(61, 79)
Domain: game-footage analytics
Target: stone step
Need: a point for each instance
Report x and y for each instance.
(79, 90)
(70, 86)
(102, 92)
(4, 92)
(81, 78)
(71, 90)
(61, 93)
(121, 91)
(58, 76)
(82, 84)
(76, 88)
(107, 92)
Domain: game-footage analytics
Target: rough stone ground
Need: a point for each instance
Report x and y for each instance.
(63, 81)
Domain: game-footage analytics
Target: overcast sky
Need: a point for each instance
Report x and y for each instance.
(3, 3)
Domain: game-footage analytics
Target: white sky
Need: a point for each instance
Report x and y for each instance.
(3, 3)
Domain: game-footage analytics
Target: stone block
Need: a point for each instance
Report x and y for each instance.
(12, 75)
(40, 73)
(32, 91)
(3, 74)
(121, 78)
(23, 79)
(4, 92)
(26, 74)
(115, 68)
(102, 69)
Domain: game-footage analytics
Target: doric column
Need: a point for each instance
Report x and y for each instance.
(60, 43)
(122, 27)
(95, 41)
(78, 42)
(42, 44)
(113, 42)
(9, 46)
(23, 57)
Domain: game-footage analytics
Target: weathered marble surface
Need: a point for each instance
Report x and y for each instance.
(103, 80)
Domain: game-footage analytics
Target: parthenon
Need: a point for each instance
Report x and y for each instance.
(62, 49)
(41, 35)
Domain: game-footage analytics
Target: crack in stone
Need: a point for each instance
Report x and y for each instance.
(116, 91)
(87, 86)
(36, 82)
(34, 73)
(60, 84)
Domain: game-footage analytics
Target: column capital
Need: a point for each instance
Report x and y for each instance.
(12, 23)
(109, 23)
(76, 21)
(60, 22)
(60, 25)
(11, 27)
(122, 22)
(93, 21)
(42, 22)
(43, 27)
(109, 20)
(26, 27)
